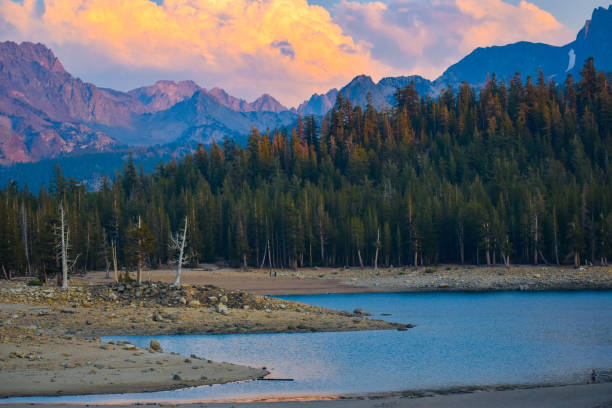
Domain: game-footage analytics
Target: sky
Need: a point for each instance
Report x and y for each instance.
(287, 48)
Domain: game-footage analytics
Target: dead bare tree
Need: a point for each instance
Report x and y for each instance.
(177, 242)
(114, 257)
(24, 229)
(63, 245)
(377, 244)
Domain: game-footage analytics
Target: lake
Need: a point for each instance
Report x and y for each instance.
(460, 339)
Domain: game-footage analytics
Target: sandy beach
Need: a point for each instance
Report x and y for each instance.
(570, 396)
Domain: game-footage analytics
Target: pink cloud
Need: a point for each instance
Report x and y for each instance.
(425, 37)
(286, 47)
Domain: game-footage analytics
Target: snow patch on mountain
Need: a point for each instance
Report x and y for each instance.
(572, 60)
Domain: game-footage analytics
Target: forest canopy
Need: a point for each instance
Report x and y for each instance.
(515, 172)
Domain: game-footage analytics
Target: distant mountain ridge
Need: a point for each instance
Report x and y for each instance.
(593, 40)
(382, 93)
(45, 112)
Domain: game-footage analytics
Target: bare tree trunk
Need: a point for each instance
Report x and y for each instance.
(139, 271)
(269, 259)
(24, 227)
(535, 240)
(377, 248)
(556, 243)
(505, 259)
(87, 247)
(64, 250)
(263, 261)
(310, 251)
(179, 261)
(321, 234)
(114, 255)
(5, 274)
(461, 244)
(576, 259)
(360, 259)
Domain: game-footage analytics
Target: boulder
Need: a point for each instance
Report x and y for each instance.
(221, 308)
(360, 312)
(155, 346)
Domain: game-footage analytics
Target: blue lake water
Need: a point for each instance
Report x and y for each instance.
(460, 339)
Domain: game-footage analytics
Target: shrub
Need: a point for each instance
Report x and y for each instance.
(35, 282)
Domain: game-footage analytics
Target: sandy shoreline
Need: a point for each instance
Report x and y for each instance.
(559, 396)
(36, 364)
(49, 342)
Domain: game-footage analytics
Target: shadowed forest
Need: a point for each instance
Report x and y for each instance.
(514, 172)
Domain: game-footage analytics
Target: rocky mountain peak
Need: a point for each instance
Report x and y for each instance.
(30, 52)
(362, 80)
(266, 102)
(597, 26)
(164, 94)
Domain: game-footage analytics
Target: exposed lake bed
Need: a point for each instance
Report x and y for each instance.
(463, 342)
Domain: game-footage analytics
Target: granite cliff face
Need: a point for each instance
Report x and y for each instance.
(46, 112)
(32, 75)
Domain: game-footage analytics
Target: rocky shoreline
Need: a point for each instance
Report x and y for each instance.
(457, 278)
(159, 308)
(50, 341)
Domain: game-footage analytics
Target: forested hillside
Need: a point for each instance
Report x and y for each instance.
(515, 173)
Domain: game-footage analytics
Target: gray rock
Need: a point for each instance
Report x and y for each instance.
(221, 308)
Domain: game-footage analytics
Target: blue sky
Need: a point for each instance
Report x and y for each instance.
(571, 13)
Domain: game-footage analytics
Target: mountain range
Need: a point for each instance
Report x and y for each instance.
(45, 112)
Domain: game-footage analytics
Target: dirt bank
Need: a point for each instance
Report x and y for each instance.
(403, 279)
(130, 309)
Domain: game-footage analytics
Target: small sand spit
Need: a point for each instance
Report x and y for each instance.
(32, 363)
